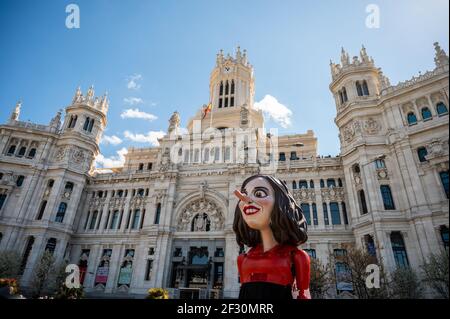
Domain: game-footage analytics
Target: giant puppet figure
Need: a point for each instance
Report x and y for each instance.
(268, 220)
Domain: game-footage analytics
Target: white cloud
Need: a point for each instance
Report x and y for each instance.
(113, 140)
(136, 114)
(113, 161)
(151, 137)
(132, 82)
(133, 100)
(278, 112)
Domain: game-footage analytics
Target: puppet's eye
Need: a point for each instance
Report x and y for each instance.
(260, 193)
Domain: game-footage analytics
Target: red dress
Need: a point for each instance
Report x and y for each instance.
(271, 274)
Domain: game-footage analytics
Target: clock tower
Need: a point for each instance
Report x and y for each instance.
(231, 91)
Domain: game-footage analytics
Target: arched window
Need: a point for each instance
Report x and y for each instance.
(302, 184)
(325, 214)
(344, 213)
(86, 124)
(370, 245)
(26, 253)
(444, 235)
(441, 109)
(294, 185)
(51, 245)
(311, 253)
(73, 121)
(61, 212)
(93, 220)
(22, 151)
(206, 154)
(386, 194)
(399, 249)
(115, 220)
(11, 150)
(335, 214)
(322, 184)
(341, 97)
(32, 153)
(426, 113)
(362, 202)
(91, 125)
(331, 182)
(344, 94)
(221, 89)
(444, 181)
(157, 213)
(359, 89)
(68, 187)
(136, 219)
(216, 154)
(356, 169)
(227, 87)
(232, 87)
(422, 153)
(20, 180)
(365, 88)
(306, 212)
(2, 200)
(412, 119)
(311, 184)
(314, 210)
(50, 183)
(41, 210)
(339, 182)
(379, 163)
(227, 153)
(140, 192)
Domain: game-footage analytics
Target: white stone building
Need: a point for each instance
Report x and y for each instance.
(165, 218)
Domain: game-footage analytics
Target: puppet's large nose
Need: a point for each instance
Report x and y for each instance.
(242, 197)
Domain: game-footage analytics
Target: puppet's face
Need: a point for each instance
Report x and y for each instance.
(256, 203)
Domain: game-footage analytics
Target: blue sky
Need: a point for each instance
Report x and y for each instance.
(170, 47)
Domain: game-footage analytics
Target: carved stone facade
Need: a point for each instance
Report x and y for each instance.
(157, 223)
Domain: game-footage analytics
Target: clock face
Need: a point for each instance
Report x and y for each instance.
(227, 69)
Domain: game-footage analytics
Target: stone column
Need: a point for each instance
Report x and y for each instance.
(33, 259)
(114, 267)
(230, 281)
(93, 262)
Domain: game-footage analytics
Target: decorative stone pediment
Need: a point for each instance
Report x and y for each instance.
(200, 215)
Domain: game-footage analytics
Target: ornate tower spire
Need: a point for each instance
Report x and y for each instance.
(16, 113)
(219, 57)
(363, 55)
(238, 54)
(174, 122)
(345, 60)
(90, 93)
(55, 123)
(78, 96)
(441, 57)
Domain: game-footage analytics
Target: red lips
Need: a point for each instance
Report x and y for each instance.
(250, 210)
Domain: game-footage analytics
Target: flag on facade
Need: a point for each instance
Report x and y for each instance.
(207, 109)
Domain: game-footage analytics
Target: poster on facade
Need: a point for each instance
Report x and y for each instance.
(125, 275)
(102, 275)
